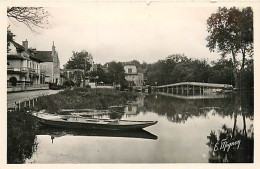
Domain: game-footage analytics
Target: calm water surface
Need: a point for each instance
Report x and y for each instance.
(187, 131)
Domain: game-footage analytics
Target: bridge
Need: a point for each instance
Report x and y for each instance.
(188, 88)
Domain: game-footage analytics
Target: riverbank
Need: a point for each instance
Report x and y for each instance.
(84, 98)
(21, 131)
(22, 127)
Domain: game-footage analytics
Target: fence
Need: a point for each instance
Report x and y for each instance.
(27, 87)
(101, 85)
(24, 103)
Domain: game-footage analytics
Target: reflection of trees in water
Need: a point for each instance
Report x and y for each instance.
(245, 152)
(21, 137)
(116, 115)
(179, 110)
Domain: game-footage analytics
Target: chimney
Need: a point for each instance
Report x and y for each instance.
(25, 45)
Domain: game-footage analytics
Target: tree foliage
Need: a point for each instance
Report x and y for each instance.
(116, 73)
(222, 72)
(177, 68)
(79, 60)
(231, 32)
(32, 17)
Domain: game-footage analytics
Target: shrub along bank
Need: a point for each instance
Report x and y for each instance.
(21, 140)
(83, 98)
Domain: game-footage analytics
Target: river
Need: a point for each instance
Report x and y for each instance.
(189, 130)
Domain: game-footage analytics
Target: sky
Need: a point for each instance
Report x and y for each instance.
(123, 31)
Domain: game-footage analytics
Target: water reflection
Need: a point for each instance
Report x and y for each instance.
(179, 110)
(245, 151)
(205, 121)
(59, 132)
(241, 145)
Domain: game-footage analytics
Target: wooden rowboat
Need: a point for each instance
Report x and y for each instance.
(60, 132)
(90, 123)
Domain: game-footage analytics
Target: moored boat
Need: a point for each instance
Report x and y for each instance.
(90, 123)
(116, 109)
(60, 132)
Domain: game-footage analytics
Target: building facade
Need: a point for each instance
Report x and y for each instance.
(23, 68)
(52, 64)
(136, 77)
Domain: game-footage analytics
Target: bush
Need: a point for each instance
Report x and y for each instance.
(68, 83)
(21, 132)
(84, 98)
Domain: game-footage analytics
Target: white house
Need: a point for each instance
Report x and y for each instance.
(52, 63)
(134, 75)
(23, 68)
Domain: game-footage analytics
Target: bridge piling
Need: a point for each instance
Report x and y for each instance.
(201, 88)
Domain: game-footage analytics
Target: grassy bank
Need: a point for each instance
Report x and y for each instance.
(21, 141)
(83, 98)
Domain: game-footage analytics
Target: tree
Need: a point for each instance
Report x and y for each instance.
(116, 73)
(10, 37)
(30, 16)
(231, 32)
(177, 68)
(81, 62)
(102, 76)
(222, 72)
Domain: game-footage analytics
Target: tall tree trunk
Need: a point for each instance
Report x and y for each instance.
(242, 72)
(244, 124)
(235, 123)
(244, 97)
(235, 69)
(243, 58)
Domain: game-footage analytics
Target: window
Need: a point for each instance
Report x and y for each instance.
(129, 107)
(129, 71)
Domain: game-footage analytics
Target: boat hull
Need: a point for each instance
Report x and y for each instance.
(92, 125)
(59, 132)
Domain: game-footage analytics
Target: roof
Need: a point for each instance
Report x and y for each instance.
(128, 64)
(18, 46)
(45, 56)
(106, 65)
(35, 58)
(141, 70)
(13, 57)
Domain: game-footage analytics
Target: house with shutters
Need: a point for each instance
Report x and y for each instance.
(52, 63)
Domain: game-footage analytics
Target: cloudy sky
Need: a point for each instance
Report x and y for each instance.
(123, 31)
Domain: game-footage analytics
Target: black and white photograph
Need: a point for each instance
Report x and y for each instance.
(130, 82)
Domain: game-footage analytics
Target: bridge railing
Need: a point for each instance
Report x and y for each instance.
(212, 85)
